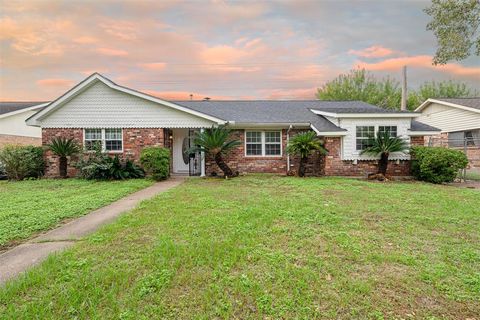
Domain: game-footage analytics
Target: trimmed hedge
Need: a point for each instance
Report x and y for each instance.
(437, 164)
(21, 162)
(156, 162)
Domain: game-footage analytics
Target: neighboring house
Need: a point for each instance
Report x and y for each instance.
(13, 129)
(125, 121)
(459, 122)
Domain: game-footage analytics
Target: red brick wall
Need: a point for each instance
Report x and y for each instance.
(237, 160)
(134, 140)
(335, 166)
(22, 140)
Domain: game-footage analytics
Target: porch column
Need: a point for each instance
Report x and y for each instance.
(202, 160)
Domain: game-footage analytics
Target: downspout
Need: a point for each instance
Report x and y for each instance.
(288, 155)
(202, 159)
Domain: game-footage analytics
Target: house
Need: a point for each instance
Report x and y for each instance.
(459, 122)
(13, 129)
(125, 120)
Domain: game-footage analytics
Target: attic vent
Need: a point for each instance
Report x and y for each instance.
(206, 99)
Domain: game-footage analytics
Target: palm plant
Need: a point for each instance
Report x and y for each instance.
(384, 144)
(214, 141)
(63, 148)
(303, 144)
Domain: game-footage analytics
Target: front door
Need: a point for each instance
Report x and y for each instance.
(180, 145)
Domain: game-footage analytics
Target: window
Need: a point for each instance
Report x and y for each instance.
(392, 130)
(113, 139)
(93, 137)
(108, 139)
(263, 143)
(364, 134)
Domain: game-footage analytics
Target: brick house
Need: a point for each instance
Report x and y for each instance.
(124, 121)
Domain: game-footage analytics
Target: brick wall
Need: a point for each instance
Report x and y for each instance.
(237, 160)
(22, 140)
(134, 140)
(335, 166)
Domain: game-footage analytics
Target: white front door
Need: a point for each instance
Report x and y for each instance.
(180, 142)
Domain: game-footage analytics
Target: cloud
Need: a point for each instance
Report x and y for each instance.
(421, 61)
(291, 94)
(183, 95)
(111, 52)
(372, 52)
(85, 40)
(155, 66)
(55, 82)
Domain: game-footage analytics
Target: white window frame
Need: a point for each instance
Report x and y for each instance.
(103, 140)
(376, 129)
(262, 132)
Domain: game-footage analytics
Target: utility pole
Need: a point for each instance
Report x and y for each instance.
(403, 105)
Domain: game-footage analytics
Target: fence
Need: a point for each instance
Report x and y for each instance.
(470, 145)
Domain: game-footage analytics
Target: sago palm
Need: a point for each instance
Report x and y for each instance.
(302, 145)
(63, 148)
(384, 144)
(215, 142)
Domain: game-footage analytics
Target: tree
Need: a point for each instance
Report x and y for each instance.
(214, 141)
(384, 144)
(455, 24)
(303, 144)
(360, 84)
(443, 89)
(63, 148)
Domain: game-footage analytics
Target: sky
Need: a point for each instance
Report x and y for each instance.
(216, 49)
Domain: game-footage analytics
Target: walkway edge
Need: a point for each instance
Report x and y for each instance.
(26, 255)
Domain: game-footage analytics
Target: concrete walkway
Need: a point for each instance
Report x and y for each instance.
(26, 255)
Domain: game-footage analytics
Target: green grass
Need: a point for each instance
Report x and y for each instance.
(27, 207)
(266, 247)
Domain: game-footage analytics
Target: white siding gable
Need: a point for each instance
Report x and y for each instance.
(449, 119)
(100, 106)
(349, 144)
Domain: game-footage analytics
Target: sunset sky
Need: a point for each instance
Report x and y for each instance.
(223, 50)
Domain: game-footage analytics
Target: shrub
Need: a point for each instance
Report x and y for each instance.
(22, 162)
(156, 162)
(99, 166)
(437, 164)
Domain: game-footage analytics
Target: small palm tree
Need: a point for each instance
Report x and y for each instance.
(214, 141)
(63, 148)
(303, 144)
(383, 145)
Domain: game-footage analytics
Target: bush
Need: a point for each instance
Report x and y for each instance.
(437, 164)
(99, 166)
(20, 162)
(156, 162)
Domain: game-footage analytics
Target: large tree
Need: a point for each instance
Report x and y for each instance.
(455, 24)
(360, 84)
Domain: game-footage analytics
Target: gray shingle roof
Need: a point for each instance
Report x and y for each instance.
(419, 126)
(6, 107)
(293, 111)
(467, 102)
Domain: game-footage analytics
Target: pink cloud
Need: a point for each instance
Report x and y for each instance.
(422, 61)
(290, 94)
(112, 52)
(183, 95)
(156, 66)
(372, 52)
(55, 82)
(85, 40)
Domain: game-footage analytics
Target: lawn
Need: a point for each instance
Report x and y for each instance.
(266, 247)
(27, 207)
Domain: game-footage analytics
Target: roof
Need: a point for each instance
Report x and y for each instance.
(419, 126)
(467, 102)
(7, 107)
(470, 104)
(282, 111)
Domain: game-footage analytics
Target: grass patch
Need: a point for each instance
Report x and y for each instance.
(31, 206)
(270, 247)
